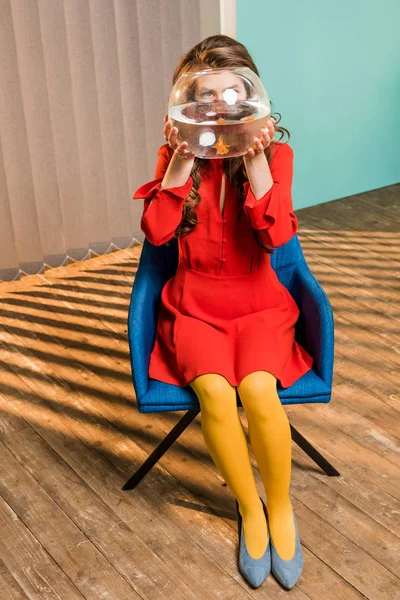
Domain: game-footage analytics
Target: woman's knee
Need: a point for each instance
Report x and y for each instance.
(258, 394)
(217, 397)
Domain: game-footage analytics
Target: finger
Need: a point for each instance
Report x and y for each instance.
(185, 155)
(167, 123)
(173, 135)
(167, 129)
(270, 128)
(183, 151)
(258, 145)
(267, 138)
(264, 136)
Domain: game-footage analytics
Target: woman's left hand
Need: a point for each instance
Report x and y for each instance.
(267, 136)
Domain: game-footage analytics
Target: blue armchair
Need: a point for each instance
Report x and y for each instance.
(314, 330)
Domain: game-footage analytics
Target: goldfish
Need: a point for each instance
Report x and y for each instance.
(250, 118)
(220, 121)
(221, 147)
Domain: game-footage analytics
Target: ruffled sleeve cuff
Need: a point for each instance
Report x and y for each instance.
(150, 189)
(272, 214)
(162, 211)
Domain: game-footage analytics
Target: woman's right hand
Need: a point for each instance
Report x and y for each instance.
(170, 135)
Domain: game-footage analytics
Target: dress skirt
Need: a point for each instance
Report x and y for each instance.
(231, 325)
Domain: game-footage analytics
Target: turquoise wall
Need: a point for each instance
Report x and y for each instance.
(332, 69)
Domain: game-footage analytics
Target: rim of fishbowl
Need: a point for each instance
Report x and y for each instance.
(263, 97)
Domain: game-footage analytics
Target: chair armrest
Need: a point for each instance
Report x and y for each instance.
(142, 323)
(157, 264)
(315, 326)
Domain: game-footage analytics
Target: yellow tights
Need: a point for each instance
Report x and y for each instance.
(271, 442)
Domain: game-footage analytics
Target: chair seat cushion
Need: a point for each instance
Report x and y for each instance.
(162, 396)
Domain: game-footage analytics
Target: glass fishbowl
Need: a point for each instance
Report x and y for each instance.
(219, 111)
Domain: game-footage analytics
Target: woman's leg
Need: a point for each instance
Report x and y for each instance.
(226, 441)
(271, 442)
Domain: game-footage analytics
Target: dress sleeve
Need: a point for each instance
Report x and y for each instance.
(272, 214)
(162, 211)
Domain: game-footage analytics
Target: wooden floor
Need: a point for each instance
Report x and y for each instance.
(71, 436)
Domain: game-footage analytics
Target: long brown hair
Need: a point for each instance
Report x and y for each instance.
(218, 51)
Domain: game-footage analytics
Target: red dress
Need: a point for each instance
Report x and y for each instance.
(225, 310)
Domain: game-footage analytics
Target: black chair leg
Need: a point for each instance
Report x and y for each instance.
(313, 453)
(161, 449)
(185, 421)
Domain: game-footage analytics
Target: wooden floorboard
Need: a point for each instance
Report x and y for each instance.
(71, 436)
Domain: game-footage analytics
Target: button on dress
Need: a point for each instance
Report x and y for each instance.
(225, 310)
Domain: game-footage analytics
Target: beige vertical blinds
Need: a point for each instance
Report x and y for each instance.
(84, 87)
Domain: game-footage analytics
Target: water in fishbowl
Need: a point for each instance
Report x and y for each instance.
(218, 130)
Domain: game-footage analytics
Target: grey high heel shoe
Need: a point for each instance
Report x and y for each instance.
(255, 570)
(287, 572)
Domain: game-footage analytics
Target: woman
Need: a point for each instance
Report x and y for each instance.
(225, 321)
